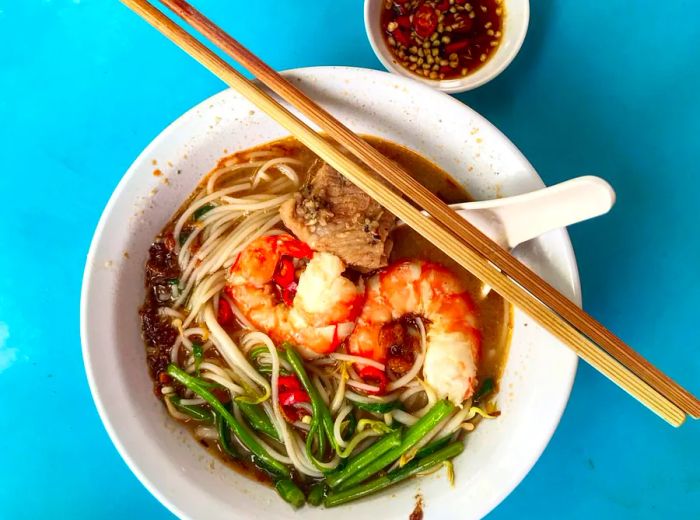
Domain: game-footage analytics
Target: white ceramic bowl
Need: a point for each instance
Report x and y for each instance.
(179, 472)
(514, 30)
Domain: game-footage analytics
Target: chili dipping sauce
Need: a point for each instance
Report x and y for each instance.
(443, 39)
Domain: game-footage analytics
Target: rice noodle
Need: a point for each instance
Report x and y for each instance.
(342, 414)
(204, 432)
(404, 418)
(174, 412)
(358, 359)
(231, 353)
(371, 399)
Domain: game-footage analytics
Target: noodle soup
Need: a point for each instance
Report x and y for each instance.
(309, 342)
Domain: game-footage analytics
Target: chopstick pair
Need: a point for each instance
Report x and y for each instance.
(455, 236)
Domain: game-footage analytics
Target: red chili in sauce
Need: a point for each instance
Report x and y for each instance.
(442, 39)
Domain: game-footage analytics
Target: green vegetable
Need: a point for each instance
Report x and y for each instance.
(195, 411)
(487, 387)
(336, 498)
(415, 433)
(289, 491)
(258, 419)
(266, 461)
(350, 425)
(257, 351)
(365, 458)
(224, 437)
(198, 353)
(320, 410)
(316, 494)
(432, 447)
(265, 368)
(377, 407)
(184, 235)
(200, 212)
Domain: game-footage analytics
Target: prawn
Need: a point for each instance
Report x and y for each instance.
(414, 288)
(295, 294)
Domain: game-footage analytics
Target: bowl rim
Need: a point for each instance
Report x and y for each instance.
(453, 86)
(91, 265)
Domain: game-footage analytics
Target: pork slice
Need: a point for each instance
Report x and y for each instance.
(332, 214)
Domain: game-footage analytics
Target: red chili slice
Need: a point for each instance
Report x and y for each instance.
(225, 314)
(288, 383)
(290, 394)
(294, 397)
(444, 5)
(402, 37)
(404, 21)
(425, 20)
(456, 46)
(284, 274)
(288, 293)
(375, 377)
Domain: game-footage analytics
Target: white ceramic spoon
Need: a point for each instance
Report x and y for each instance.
(513, 220)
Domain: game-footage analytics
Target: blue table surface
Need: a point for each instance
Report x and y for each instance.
(609, 88)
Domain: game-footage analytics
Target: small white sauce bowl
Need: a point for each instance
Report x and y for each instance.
(517, 18)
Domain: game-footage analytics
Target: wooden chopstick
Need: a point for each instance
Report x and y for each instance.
(456, 246)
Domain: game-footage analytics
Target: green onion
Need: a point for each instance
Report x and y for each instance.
(195, 411)
(350, 425)
(290, 492)
(316, 494)
(224, 437)
(257, 351)
(184, 235)
(258, 419)
(413, 435)
(320, 409)
(266, 460)
(488, 386)
(200, 212)
(365, 458)
(377, 407)
(412, 468)
(432, 447)
(198, 354)
(377, 426)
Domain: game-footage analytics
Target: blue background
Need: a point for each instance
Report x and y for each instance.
(607, 87)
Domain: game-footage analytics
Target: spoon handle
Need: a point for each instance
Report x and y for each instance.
(523, 217)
